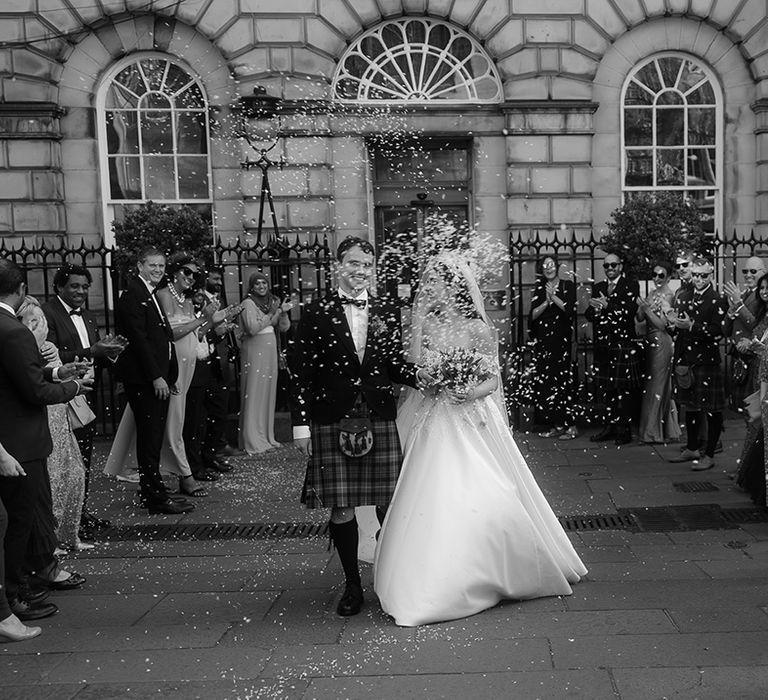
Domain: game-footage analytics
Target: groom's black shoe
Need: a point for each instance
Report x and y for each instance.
(351, 600)
(606, 433)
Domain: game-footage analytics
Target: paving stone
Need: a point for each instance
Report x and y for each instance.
(743, 568)
(27, 669)
(689, 552)
(646, 571)
(594, 555)
(740, 682)
(199, 690)
(407, 658)
(160, 665)
(208, 608)
(157, 582)
(728, 619)
(60, 691)
(98, 609)
(595, 685)
(653, 650)
(118, 638)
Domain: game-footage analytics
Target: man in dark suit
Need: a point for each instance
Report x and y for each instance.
(699, 316)
(72, 328)
(348, 355)
(25, 391)
(617, 362)
(148, 370)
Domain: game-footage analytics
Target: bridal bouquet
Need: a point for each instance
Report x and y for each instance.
(457, 367)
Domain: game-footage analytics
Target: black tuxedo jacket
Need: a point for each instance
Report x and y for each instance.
(150, 353)
(25, 392)
(328, 375)
(63, 334)
(615, 325)
(700, 345)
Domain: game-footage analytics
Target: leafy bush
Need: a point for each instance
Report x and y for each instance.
(170, 229)
(654, 227)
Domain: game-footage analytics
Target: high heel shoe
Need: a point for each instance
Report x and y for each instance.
(14, 630)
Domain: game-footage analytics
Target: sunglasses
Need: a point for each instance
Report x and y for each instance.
(681, 264)
(748, 272)
(187, 271)
(608, 266)
(701, 275)
(659, 275)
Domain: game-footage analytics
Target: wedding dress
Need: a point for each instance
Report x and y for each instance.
(468, 525)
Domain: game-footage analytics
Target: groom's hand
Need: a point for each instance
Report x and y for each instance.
(424, 379)
(303, 445)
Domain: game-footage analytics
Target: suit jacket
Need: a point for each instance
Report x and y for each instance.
(745, 321)
(63, 334)
(150, 353)
(700, 345)
(328, 375)
(615, 325)
(25, 392)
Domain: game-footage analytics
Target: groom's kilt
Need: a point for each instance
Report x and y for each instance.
(335, 480)
(619, 368)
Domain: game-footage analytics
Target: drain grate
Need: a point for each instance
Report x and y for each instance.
(680, 518)
(743, 516)
(695, 486)
(611, 521)
(220, 531)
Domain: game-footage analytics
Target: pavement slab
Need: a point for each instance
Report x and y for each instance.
(228, 689)
(737, 682)
(727, 619)
(59, 691)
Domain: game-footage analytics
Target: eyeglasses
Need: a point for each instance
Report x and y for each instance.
(608, 266)
(681, 264)
(187, 271)
(749, 272)
(659, 275)
(701, 275)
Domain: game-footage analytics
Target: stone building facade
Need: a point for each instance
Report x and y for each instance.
(522, 114)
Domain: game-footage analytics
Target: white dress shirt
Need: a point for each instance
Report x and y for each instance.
(78, 322)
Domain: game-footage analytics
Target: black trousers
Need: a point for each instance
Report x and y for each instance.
(150, 414)
(84, 437)
(30, 538)
(194, 427)
(216, 408)
(5, 611)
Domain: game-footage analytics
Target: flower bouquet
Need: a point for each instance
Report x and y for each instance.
(457, 367)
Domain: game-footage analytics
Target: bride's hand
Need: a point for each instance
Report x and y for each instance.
(460, 394)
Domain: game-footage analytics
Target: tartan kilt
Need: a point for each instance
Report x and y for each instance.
(335, 480)
(707, 392)
(620, 368)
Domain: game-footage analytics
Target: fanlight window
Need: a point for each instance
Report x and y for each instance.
(416, 60)
(156, 120)
(671, 125)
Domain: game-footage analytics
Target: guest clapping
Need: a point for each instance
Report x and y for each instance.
(262, 312)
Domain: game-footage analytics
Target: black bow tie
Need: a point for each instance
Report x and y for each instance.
(359, 303)
(75, 312)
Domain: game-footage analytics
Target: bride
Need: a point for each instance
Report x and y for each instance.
(468, 525)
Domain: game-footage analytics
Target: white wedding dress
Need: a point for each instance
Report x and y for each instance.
(468, 525)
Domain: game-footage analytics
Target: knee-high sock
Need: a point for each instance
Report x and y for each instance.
(692, 428)
(713, 432)
(345, 537)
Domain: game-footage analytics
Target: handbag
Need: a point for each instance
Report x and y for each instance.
(79, 412)
(752, 405)
(356, 432)
(684, 376)
(739, 371)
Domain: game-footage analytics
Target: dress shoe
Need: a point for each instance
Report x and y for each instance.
(685, 455)
(25, 611)
(74, 580)
(623, 437)
(230, 451)
(130, 477)
(32, 594)
(221, 464)
(552, 432)
(571, 434)
(700, 465)
(169, 507)
(606, 433)
(14, 630)
(351, 600)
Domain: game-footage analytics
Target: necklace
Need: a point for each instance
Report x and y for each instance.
(180, 299)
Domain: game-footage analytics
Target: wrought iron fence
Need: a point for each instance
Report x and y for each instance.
(579, 255)
(299, 270)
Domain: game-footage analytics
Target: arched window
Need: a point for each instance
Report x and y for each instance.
(416, 60)
(671, 132)
(153, 134)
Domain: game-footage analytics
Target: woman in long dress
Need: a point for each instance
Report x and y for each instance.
(658, 414)
(468, 525)
(262, 312)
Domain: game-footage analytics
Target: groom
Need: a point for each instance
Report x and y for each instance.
(348, 355)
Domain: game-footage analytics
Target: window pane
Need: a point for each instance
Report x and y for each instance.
(670, 127)
(124, 177)
(649, 77)
(119, 97)
(154, 100)
(122, 132)
(132, 79)
(692, 75)
(703, 95)
(701, 125)
(424, 165)
(191, 98)
(670, 68)
(156, 132)
(193, 177)
(190, 132)
(159, 177)
(669, 164)
(669, 97)
(638, 127)
(639, 168)
(176, 79)
(701, 166)
(637, 95)
(154, 70)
